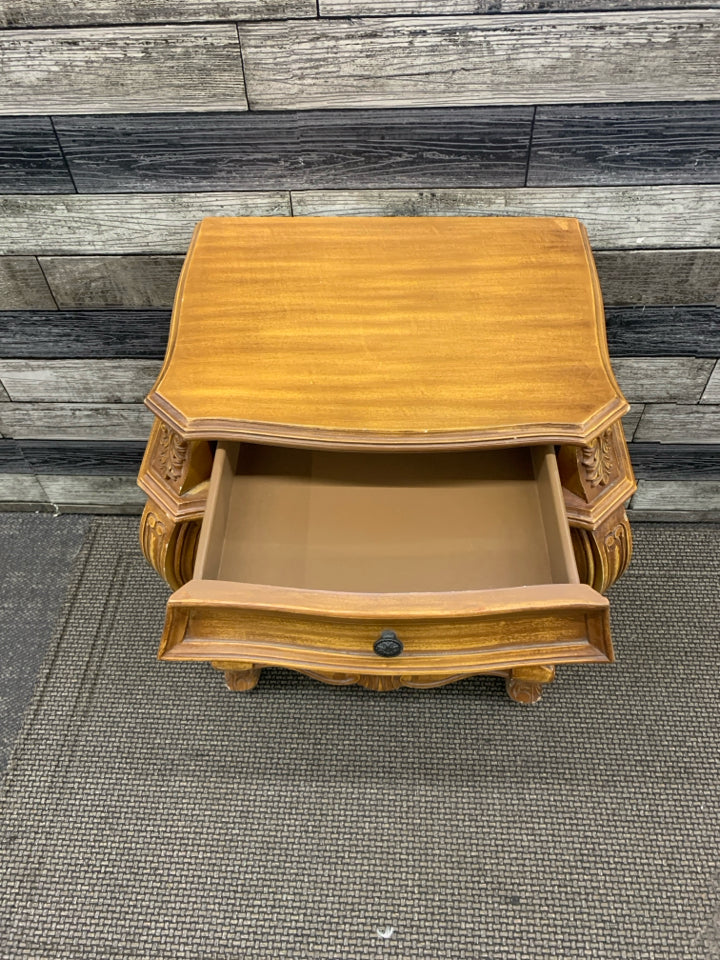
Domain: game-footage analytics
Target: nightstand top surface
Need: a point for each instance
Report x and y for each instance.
(386, 332)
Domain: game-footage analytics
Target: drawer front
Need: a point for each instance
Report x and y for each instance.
(559, 624)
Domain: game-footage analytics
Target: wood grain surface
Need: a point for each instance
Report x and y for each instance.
(662, 379)
(73, 457)
(669, 461)
(658, 276)
(30, 157)
(148, 223)
(12, 459)
(478, 146)
(95, 282)
(64, 381)
(30, 13)
(146, 69)
(23, 285)
(668, 331)
(689, 500)
(92, 491)
(362, 8)
(19, 488)
(678, 423)
(84, 334)
(75, 421)
(447, 61)
(625, 144)
(674, 216)
(363, 304)
(712, 390)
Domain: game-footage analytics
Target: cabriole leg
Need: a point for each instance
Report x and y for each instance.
(525, 684)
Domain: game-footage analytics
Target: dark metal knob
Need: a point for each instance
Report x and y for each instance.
(388, 645)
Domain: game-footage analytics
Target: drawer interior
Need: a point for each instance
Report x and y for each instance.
(385, 522)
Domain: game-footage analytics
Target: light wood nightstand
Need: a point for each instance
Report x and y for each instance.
(388, 451)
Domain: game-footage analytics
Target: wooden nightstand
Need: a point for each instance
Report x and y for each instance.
(388, 451)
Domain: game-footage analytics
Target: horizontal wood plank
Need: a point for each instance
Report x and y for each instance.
(143, 281)
(481, 146)
(62, 381)
(658, 379)
(625, 144)
(132, 282)
(677, 423)
(84, 334)
(12, 459)
(20, 488)
(23, 285)
(66, 491)
(659, 276)
(667, 331)
(449, 61)
(689, 500)
(73, 457)
(631, 420)
(712, 390)
(661, 461)
(30, 13)
(147, 223)
(132, 69)
(673, 216)
(75, 421)
(391, 8)
(30, 157)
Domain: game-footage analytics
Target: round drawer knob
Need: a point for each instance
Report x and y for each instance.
(388, 645)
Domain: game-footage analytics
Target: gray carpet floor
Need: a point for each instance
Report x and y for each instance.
(36, 551)
(150, 813)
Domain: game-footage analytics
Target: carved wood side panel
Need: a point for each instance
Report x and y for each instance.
(168, 546)
(603, 554)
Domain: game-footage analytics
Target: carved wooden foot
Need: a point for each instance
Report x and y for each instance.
(239, 675)
(604, 553)
(169, 546)
(525, 684)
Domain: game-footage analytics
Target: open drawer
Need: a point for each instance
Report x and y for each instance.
(416, 564)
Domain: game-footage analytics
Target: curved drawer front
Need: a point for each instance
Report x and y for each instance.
(464, 631)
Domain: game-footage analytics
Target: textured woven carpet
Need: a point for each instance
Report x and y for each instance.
(150, 813)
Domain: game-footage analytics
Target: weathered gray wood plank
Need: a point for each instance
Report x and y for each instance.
(631, 420)
(627, 143)
(92, 491)
(140, 281)
(672, 216)
(131, 69)
(468, 146)
(712, 390)
(405, 8)
(663, 331)
(109, 458)
(678, 423)
(12, 459)
(659, 379)
(30, 13)
(680, 461)
(23, 286)
(63, 381)
(131, 282)
(20, 487)
(659, 276)
(30, 157)
(445, 61)
(147, 223)
(684, 499)
(79, 334)
(75, 421)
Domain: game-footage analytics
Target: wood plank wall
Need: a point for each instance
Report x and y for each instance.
(123, 122)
